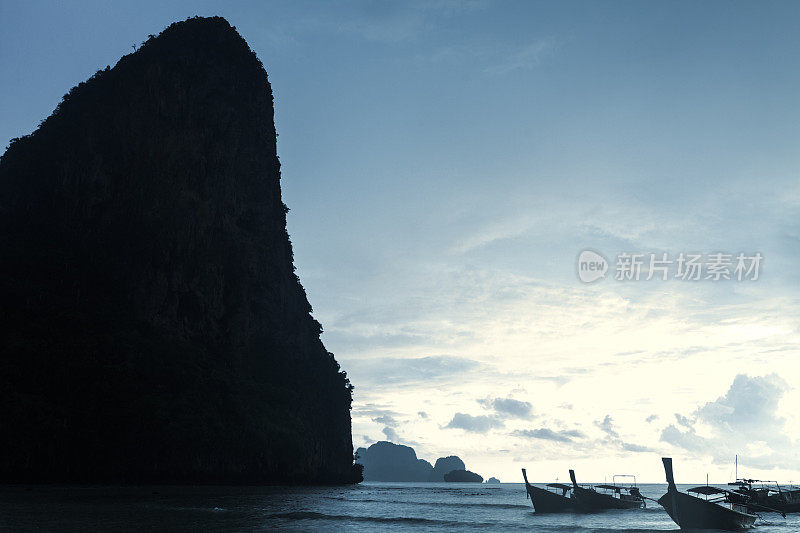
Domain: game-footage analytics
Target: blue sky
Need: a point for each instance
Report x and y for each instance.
(445, 162)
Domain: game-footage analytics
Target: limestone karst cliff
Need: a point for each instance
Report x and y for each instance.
(387, 461)
(463, 476)
(153, 328)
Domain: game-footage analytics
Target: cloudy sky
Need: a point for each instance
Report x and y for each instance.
(446, 162)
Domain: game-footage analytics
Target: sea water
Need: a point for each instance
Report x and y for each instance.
(368, 506)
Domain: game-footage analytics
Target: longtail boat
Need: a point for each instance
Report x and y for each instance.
(621, 497)
(764, 497)
(761, 495)
(549, 501)
(693, 512)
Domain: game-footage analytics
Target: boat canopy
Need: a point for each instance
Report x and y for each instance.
(707, 491)
(616, 488)
(560, 486)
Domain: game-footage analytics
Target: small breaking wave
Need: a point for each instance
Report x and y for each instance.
(311, 515)
(436, 504)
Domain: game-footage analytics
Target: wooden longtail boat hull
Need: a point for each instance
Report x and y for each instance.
(590, 500)
(690, 512)
(786, 502)
(545, 501)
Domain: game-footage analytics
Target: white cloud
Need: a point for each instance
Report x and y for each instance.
(731, 424)
(391, 434)
(607, 426)
(407, 371)
(549, 434)
(474, 424)
(507, 407)
(562, 345)
(387, 420)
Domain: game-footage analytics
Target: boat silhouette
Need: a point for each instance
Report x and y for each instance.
(762, 495)
(549, 501)
(758, 496)
(693, 512)
(588, 499)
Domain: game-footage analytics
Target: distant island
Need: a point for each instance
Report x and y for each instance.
(386, 461)
(463, 476)
(444, 465)
(493, 481)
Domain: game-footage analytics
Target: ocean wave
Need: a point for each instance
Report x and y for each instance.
(411, 521)
(555, 528)
(311, 515)
(436, 504)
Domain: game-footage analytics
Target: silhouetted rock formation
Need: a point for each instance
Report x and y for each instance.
(153, 328)
(493, 481)
(463, 476)
(385, 461)
(444, 465)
